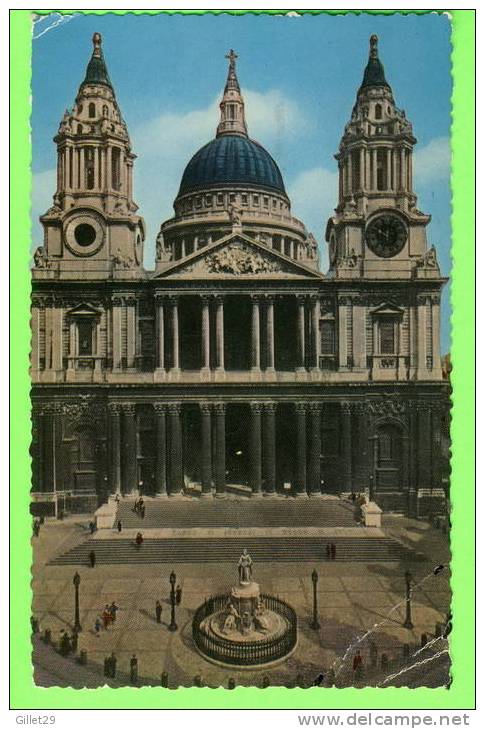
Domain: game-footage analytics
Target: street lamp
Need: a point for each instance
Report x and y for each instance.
(173, 579)
(76, 581)
(408, 623)
(315, 624)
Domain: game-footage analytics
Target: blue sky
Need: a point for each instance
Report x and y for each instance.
(299, 77)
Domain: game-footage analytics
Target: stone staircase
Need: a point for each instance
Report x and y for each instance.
(220, 513)
(212, 549)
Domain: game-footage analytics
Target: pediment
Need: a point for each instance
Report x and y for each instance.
(237, 255)
(387, 309)
(83, 310)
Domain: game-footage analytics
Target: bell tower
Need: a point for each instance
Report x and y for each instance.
(93, 229)
(377, 230)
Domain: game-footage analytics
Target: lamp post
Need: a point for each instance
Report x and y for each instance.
(76, 581)
(173, 579)
(315, 624)
(372, 481)
(408, 623)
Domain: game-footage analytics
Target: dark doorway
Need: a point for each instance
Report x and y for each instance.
(285, 449)
(237, 444)
(237, 332)
(146, 450)
(192, 454)
(389, 458)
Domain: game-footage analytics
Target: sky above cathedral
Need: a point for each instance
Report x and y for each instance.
(299, 77)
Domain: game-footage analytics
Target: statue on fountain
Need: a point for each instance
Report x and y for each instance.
(245, 568)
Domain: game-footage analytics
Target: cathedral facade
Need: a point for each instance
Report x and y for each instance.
(236, 366)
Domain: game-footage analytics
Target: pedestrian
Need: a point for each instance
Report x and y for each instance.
(106, 617)
(333, 550)
(329, 551)
(113, 609)
(178, 595)
(92, 558)
(158, 611)
(112, 665)
(36, 528)
(119, 525)
(139, 540)
(134, 669)
(64, 644)
(357, 665)
(92, 527)
(135, 506)
(97, 626)
(142, 512)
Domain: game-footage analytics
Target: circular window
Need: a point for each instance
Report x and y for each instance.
(84, 234)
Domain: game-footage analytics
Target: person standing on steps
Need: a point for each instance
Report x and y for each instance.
(158, 611)
(92, 558)
(139, 540)
(119, 526)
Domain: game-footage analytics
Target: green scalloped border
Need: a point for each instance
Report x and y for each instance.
(461, 694)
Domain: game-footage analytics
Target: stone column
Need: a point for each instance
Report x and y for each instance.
(346, 441)
(421, 303)
(269, 448)
(403, 169)
(116, 331)
(255, 448)
(361, 448)
(176, 471)
(220, 333)
(130, 332)
(424, 443)
(129, 453)
(435, 333)
(175, 334)
(301, 333)
(362, 169)
(109, 169)
(114, 411)
(255, 335)
(342, 333)
(161, 446)
(314, 486)
(413, 457)
(205, 328)
(270, 359)
(160, 328)
(389, 169)
(374, 169)
(206, 449)
(300, 481)
(349, 174)
(81, 169)
(316, 332)
(220, 464)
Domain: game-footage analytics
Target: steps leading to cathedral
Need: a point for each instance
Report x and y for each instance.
(219, 550)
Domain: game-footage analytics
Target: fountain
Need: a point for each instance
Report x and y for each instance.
(245, 627)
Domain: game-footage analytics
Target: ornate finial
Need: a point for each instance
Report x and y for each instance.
(97, 40)
(232, 59)
(373, 40)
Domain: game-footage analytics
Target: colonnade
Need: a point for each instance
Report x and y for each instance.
(312, 303)
(397, 167)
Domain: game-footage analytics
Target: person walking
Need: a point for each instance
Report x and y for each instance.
(134, 669)
(97, 626)
(119, 525)
(142, 512)
(92, 558)
(106, 617)
(178, 595)
(158, 611)
(113, 609)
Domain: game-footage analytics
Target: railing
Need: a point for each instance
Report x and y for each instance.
(247, 216)
(249, 653)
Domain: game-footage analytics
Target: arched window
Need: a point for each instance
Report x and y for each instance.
(382, 169)
(378, 111)
(92, 110)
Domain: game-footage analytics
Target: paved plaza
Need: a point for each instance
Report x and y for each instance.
(353, 599)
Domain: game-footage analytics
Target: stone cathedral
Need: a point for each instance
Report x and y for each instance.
(235, 366)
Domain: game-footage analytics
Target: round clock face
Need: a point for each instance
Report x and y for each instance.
(386, 236)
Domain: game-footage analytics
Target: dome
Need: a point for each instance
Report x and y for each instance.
(232, 159)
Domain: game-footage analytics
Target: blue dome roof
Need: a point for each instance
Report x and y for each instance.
(231, 159)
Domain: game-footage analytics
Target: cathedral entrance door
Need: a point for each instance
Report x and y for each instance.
(389, 458)
(237, 444)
